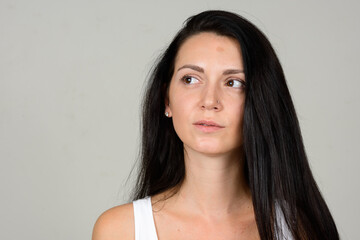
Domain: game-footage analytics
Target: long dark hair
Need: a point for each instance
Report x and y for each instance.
(276, 167)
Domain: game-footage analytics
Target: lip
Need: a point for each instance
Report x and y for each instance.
(208, 126)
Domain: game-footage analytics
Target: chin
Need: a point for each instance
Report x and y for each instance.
(210, 148)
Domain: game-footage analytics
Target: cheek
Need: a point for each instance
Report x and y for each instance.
(180, 101)
(237, 116)
(181, 123)
(236, 105)
(241, 112)
(182, 109)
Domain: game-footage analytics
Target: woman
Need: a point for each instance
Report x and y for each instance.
(222, 152)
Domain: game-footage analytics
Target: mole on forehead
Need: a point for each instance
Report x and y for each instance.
(219, 49)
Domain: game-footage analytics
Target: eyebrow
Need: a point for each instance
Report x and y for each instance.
(200, 69)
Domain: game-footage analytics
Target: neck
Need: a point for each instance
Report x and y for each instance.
(214, 186)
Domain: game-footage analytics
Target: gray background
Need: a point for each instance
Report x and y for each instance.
(72, 74)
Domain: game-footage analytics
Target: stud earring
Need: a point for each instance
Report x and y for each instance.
(166, 114)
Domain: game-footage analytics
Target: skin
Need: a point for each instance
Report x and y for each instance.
(214, 201)
(195, 97)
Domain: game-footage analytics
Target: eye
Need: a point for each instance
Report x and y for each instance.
(189, 79)
(235, 83)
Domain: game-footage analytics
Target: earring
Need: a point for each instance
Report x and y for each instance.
(166, 114)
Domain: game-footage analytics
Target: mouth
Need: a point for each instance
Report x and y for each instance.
(208, 126)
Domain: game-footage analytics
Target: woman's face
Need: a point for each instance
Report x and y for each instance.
(207, 93)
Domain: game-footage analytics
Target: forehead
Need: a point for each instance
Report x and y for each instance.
(208, 46)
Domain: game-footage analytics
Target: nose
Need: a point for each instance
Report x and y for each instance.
(211, 98)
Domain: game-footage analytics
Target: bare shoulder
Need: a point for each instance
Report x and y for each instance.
(115, 224)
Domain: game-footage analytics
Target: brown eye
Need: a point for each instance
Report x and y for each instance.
(235, 83)
(189, 80)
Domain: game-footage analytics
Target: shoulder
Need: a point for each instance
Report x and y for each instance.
(115, 223)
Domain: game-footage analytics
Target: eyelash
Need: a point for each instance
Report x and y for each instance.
(183, 79)
(187, 77)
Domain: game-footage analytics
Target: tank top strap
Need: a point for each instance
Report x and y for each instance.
(144, 220)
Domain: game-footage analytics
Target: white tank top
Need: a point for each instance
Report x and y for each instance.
(144, 220)
(145, 225)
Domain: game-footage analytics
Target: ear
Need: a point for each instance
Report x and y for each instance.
(167, 104)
